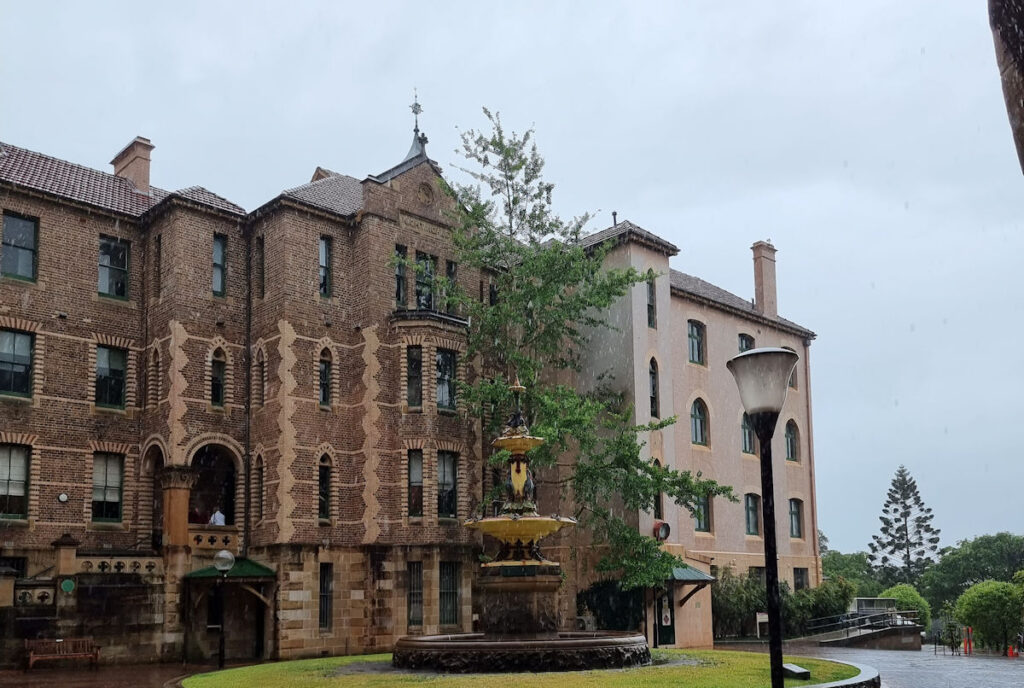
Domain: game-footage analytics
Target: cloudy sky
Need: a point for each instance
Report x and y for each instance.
(867, 140)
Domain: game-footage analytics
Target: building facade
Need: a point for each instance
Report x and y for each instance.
(179, 376)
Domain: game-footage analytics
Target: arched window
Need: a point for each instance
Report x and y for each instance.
(654, 389)
(325, 378)
(752, 509)
(218, 371)
(652, 304)
(697, 344)
(796, 518)
(258, 497)
(748, 439)
(259, 387)
(215, 487)
(324, 488)
(746, 342)
(699, 423)
(659, 509)
(792, 442)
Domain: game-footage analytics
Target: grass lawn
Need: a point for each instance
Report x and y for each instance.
(714, 669)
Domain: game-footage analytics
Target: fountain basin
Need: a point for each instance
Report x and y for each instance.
(482, 653)
(524, 528)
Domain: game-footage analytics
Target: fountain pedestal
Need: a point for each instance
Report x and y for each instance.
(519, 600)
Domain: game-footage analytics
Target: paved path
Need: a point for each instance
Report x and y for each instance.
(80, 676)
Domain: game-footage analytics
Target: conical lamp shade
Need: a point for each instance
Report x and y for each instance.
(762, 376)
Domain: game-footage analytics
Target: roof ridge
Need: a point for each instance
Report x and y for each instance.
(72, 164)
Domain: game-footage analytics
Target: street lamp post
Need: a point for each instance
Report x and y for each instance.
(222, 561)
(762, 376)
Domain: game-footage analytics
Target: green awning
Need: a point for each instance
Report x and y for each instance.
(688, 574)
(243, 568)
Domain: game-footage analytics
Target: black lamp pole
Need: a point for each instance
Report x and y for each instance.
(763, 423)
(220, 594)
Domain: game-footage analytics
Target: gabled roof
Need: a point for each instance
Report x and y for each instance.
(695, 286)
(626, 231)
(335, 193)
(75, 182)
(85, 185)
(417, 155)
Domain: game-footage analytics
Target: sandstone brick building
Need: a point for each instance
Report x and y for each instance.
(180, 376)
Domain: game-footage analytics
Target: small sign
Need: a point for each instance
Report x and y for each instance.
(762, 617)
(67, 585)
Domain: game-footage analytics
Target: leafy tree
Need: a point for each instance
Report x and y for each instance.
(551, 294)
(993, 608)
(735, 600)
(987, 557)
(831, 598)
(854, 568)
(822, 542)
(908, 598)
(907, 540)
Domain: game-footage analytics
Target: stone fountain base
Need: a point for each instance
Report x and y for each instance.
(480, 653)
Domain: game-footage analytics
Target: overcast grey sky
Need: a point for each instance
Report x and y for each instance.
(868, 140)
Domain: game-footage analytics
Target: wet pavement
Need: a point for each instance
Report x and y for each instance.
(923, 669)
(116, 676)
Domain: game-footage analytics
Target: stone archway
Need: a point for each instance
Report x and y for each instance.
(217, 482)
(152, 467)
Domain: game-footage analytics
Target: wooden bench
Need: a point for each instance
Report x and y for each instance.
(39, 649)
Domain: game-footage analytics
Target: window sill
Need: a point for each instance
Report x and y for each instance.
(704, 533)
(16, 398)
(21, 280)
(447, 411)
(414, 409)
(107, 525)
(324, 522)
(119, 300)
(415, 520)
(701, 447)
(325, 408)
(15, 521)
(115, 410)
(448, 520)
(753, 537)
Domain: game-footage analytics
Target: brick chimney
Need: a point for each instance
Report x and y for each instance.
(765, 301)
(132, 163)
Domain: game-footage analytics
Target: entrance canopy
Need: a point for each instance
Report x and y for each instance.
(244, 571)
(688, 574)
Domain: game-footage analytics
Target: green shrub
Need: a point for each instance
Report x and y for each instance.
(993, 609)
(908, 598)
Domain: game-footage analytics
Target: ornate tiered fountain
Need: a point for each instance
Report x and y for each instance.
(519, 616)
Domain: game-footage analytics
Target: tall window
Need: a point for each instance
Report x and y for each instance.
(414, 376)
(653, 374)
(259, 388)
(659, 507)
(792, 442)
(414, 592)
(752, 507)
(218, 373)
(259, 269)
(220, 264)
(451, 270)
(157, 264)
(749, 441)
(702, 515)
(699, 423)
(426, 266)
(326, 595)
(449, 593)
(110, 376)
(652, 305)
(323, 509)
(697, 344)
(259, 488)
(446, 375)
(15, 363)
(746, 342)
(113, 271)
(325, 266)
(447, 484)
(401, 298)
(20, 244)
(415, 482)
(325, 378)
(14, 480)
(106, 486)
(796, 518)
(800, 579)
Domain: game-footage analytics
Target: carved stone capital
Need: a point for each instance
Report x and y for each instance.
(178, 477)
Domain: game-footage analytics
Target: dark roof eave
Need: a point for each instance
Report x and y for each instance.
(784, 325)
(646, 239)
(56, 197)
(175, 199)
(403, 167)
(284, 200)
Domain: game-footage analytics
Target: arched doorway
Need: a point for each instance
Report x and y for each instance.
(152, 464)
(214, 465)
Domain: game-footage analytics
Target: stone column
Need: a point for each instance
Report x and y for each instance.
(177, 483)
(67, 549)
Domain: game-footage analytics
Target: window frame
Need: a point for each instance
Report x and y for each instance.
(323, 488)
(107, 240)
(324, 371)
(107, 379)
(118, 460)
(401, 283)
(652, 372)
(700, 425)
(752, 514)
(5, 484)
(652, 303)
(414, 380)
(325, 256)
(221, 267)
(426, 268)
(414, 593)
(325, 597)
(447, 377)
(697, 342)
(451, 273)
(414, 486)
(803, 581)
(702, 515)
(6, 244)
(447, 496)
(792, 437)
(748, 438)
(448, 593)
(218, 378)
(796, 518)
(12, 363)
(746, 339)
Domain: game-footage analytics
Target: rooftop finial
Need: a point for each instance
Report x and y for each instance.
(416, 110)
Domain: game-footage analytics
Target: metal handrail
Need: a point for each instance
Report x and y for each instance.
(854, 621)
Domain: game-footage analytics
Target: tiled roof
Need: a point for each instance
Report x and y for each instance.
(75, 182)
(705, 290)
(198, 194)
(337, 193)
(625, 231)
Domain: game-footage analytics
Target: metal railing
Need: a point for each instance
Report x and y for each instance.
(843, 624)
